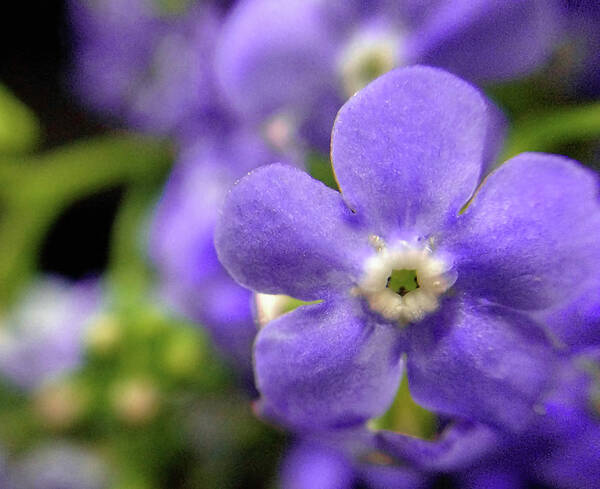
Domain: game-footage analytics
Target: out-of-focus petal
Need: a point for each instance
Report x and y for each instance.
(275, 56)
(577, 324)
(312, 466)
(487, 40)
(461, 445)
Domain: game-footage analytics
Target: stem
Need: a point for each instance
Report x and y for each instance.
(34, 191)
(129, 271)
(548, 131)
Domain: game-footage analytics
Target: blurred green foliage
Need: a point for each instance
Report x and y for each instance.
(156, 401)
(20, 130)
(35, 189)
(152, 396)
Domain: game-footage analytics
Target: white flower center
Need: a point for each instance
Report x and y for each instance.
(368, 55)
(421, 278)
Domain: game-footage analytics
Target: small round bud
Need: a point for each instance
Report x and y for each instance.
(104, 335)
(182, 354)
(135, 401)
(59, 405)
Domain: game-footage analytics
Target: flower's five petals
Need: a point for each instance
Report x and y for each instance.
(327, 365)
(282, 232)
(485, 363)
(409, 149)
(530, 237)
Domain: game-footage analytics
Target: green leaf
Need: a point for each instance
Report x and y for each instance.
(20, 131)
(129, 272)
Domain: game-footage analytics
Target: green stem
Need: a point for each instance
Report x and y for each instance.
(129, 272)
(20, 130)
(34, 191)
(548, 131)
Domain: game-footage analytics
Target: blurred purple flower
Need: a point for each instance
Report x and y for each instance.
(43, 336)
(561, 448)
(576, 325)
(148, 62)
(314, 465)
(569, 431)
(294, 63)
(311, 466)
(4, 474)
(583, 37)
(182, 245)
(401, 268)
(60, 465)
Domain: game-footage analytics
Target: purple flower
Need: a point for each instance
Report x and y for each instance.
(576, 325)
(570, 432)
(400, 269)
(61, 465)
(461, 446)
(182, 239)
(294, 63)
(583, 44)
(492, 478)
(311, 466)
(4, 474)
(314, 465)
(43, 337)
(560, 449)
(148, 62)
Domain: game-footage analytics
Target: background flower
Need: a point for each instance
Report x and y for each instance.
(299, 61)
(61, 465)
(182, 239)
(44, 336)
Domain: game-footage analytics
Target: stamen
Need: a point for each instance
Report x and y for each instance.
(403, 283)
(376, 242)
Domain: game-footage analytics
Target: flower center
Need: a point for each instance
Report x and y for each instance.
(368, 55)
(404, 283)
